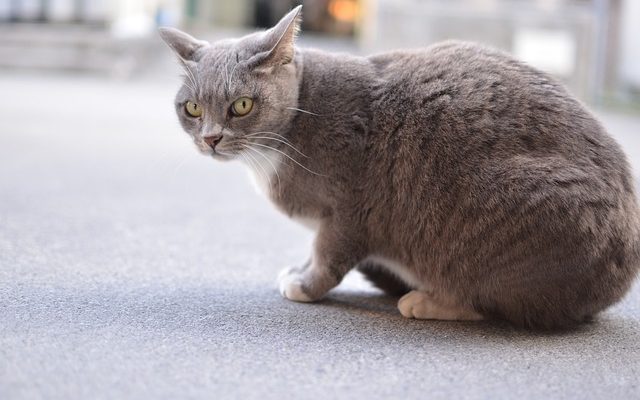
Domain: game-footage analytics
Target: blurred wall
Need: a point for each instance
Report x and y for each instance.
(568, 38)
(591, 44)
(630, 46)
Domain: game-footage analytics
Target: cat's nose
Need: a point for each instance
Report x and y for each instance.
(213, 140)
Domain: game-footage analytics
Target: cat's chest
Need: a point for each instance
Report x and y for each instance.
(263, 171)
(266, 178)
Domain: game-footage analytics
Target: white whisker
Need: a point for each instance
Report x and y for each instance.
(303, 111)
(259, 165)
(270, 163)
(267, 132)
(187, 84)
(251, 163)
(288, 156)
(190, 75)
(281, 141)
(244, 157)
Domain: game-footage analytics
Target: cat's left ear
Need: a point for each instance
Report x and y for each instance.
(185, 45)
(279, 41)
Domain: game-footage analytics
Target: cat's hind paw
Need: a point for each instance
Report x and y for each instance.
(421, 305)
(290, 284)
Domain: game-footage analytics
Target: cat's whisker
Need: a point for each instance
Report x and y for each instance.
(289, 157)
(271, 133)
(191, 88)
(281, 141)
(245, 158)
(189, 73)
(189, 85)
(266, 175)
(303, 111)
(269, 161)
(250, 162)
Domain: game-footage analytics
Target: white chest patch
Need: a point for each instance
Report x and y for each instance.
(398, 269)
(263, 169)
(311, 223)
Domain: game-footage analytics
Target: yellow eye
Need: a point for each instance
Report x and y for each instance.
(242, 106)
(193, 109)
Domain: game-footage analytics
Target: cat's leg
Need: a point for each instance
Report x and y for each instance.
(334, 254)
(381, 278)
(422, 305)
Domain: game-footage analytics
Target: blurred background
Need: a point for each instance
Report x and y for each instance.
(590, 44)
(133, 267)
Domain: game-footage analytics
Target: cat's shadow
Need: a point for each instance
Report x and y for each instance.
(383, 308)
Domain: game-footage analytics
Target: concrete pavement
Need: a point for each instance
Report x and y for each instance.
(133, 268)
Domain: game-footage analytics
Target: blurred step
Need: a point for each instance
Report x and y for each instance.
(76, 47)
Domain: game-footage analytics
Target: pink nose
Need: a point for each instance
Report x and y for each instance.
(213, 140)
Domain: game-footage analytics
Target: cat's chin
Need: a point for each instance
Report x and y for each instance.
(217, 155)
(222, 157)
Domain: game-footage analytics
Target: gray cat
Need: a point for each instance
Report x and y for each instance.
(465, 180)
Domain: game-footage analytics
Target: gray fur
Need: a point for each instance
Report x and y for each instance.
(495, 190)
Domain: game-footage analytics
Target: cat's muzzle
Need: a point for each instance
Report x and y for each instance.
(213, 141)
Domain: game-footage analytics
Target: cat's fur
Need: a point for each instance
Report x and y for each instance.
(455, 171)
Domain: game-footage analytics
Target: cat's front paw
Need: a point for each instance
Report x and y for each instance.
(290, 283)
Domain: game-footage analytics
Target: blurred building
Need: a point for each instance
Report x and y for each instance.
(81, 35)
(590, 44)
(580, 41)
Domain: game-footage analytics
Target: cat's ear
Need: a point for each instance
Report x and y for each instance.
(279, 41)
(183, 44)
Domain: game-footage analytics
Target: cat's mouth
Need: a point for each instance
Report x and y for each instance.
(218, 154)
(214, 151)
(226, 151)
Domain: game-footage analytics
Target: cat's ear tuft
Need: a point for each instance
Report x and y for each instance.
(280, 40)
(182, 43)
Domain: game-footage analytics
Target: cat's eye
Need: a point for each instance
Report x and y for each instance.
(242, 106)
(193, 109)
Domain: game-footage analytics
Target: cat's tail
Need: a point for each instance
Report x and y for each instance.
(383, 279)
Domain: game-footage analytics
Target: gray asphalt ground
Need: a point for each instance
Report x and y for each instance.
(131, 267)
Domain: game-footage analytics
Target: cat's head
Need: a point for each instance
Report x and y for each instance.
(236, 92)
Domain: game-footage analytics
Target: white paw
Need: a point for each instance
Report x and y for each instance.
(290, 284)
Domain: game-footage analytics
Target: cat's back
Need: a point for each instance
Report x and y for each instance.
(488, 105)
(477, 83)
(469, 65)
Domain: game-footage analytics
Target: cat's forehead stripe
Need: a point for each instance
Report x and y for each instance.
(219, 71)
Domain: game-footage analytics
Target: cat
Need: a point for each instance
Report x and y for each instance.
(456, 176)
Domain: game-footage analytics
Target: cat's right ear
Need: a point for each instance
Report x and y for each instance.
(277, 45)
(183, 44)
